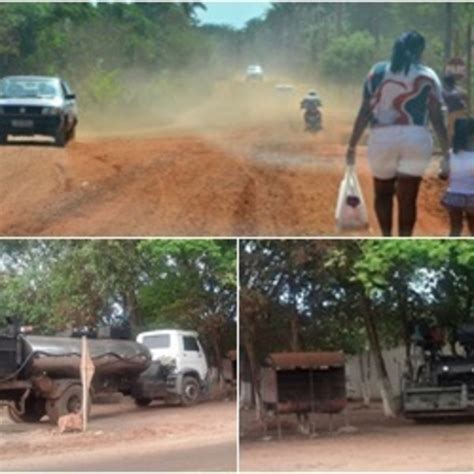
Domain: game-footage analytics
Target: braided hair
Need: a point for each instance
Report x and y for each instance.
(407, 50)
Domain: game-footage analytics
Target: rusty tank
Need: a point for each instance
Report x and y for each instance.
(60, 356)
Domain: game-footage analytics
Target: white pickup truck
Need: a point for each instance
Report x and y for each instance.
(179, 362)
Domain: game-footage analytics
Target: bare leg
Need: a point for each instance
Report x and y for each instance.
(384, 193)
(455, 221)
(407, 194)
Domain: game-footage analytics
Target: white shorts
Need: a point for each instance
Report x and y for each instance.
(399, 149)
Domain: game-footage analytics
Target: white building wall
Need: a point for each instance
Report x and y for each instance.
(395, 363)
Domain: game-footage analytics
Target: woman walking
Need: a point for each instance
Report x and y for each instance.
(400, 98)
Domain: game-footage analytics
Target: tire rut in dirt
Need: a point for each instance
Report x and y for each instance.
(245, 215)
(78, 201)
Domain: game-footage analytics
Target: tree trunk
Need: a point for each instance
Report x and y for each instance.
(448, 39)
(294, 318)
(255, 379)
(218, 357)
(365, 378)
(294, 332)
(131, 308)
(406, 329)
(386, 391)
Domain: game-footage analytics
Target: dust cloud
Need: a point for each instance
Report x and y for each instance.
(198, 103)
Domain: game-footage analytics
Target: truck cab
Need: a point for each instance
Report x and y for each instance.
(179, 362)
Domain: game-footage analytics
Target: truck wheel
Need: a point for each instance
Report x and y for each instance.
(60, 139)
(142, 402)
(191, 391)
(69, 402)
(35, 409)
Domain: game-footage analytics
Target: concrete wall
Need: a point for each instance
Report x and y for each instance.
(395, 362)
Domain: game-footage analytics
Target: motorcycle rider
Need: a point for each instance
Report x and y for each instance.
(311, 104)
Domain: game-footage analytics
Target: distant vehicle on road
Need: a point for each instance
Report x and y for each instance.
(254, 73)
(37, 105)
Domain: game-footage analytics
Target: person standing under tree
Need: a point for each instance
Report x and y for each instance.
(400, 98)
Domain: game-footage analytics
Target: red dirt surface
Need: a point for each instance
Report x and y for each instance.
(123, 437)
(378, 444)
(237, 174)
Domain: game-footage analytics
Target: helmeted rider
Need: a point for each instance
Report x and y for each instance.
(311, 104)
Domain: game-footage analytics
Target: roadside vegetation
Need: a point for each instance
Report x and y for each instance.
(151, 284)
(133, 55)
(354, 296)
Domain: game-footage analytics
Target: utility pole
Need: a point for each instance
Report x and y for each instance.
(87, 372)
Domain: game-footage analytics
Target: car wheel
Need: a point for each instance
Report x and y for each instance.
(191, 391)
(60, 139)
(69, 402)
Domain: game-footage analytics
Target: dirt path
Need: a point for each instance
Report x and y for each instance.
(247, 183)
(229, 169)
(377, 445)
(122, 437)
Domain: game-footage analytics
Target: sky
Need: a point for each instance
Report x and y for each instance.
(233, 14)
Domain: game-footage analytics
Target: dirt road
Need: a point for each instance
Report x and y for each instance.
(377, 445)
(122, 437)
(225, 170)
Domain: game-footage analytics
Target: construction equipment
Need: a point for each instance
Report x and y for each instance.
(443, 385)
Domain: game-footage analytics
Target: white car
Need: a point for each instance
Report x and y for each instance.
(254, 73)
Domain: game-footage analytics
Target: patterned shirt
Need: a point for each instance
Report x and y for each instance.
(399, 98)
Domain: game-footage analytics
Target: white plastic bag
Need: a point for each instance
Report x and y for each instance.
(351, 212)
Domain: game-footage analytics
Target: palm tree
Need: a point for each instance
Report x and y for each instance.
(190, 8)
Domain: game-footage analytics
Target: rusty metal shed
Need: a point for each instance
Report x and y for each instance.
(304, 383)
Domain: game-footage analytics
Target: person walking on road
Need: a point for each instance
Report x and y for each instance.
(459, 198)
(400, 98)
(455, 100)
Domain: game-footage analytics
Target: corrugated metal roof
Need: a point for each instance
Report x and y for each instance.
(305, 360)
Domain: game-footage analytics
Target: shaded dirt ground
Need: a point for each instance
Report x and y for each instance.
(239, 166)
(122, 437)
(378, 444)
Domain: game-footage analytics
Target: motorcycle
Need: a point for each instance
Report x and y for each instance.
(313, 121)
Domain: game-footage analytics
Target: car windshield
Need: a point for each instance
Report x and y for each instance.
(29, 88)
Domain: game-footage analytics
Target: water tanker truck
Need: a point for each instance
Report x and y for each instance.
(40, 375)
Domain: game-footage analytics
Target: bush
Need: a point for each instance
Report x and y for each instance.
(348, 58)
